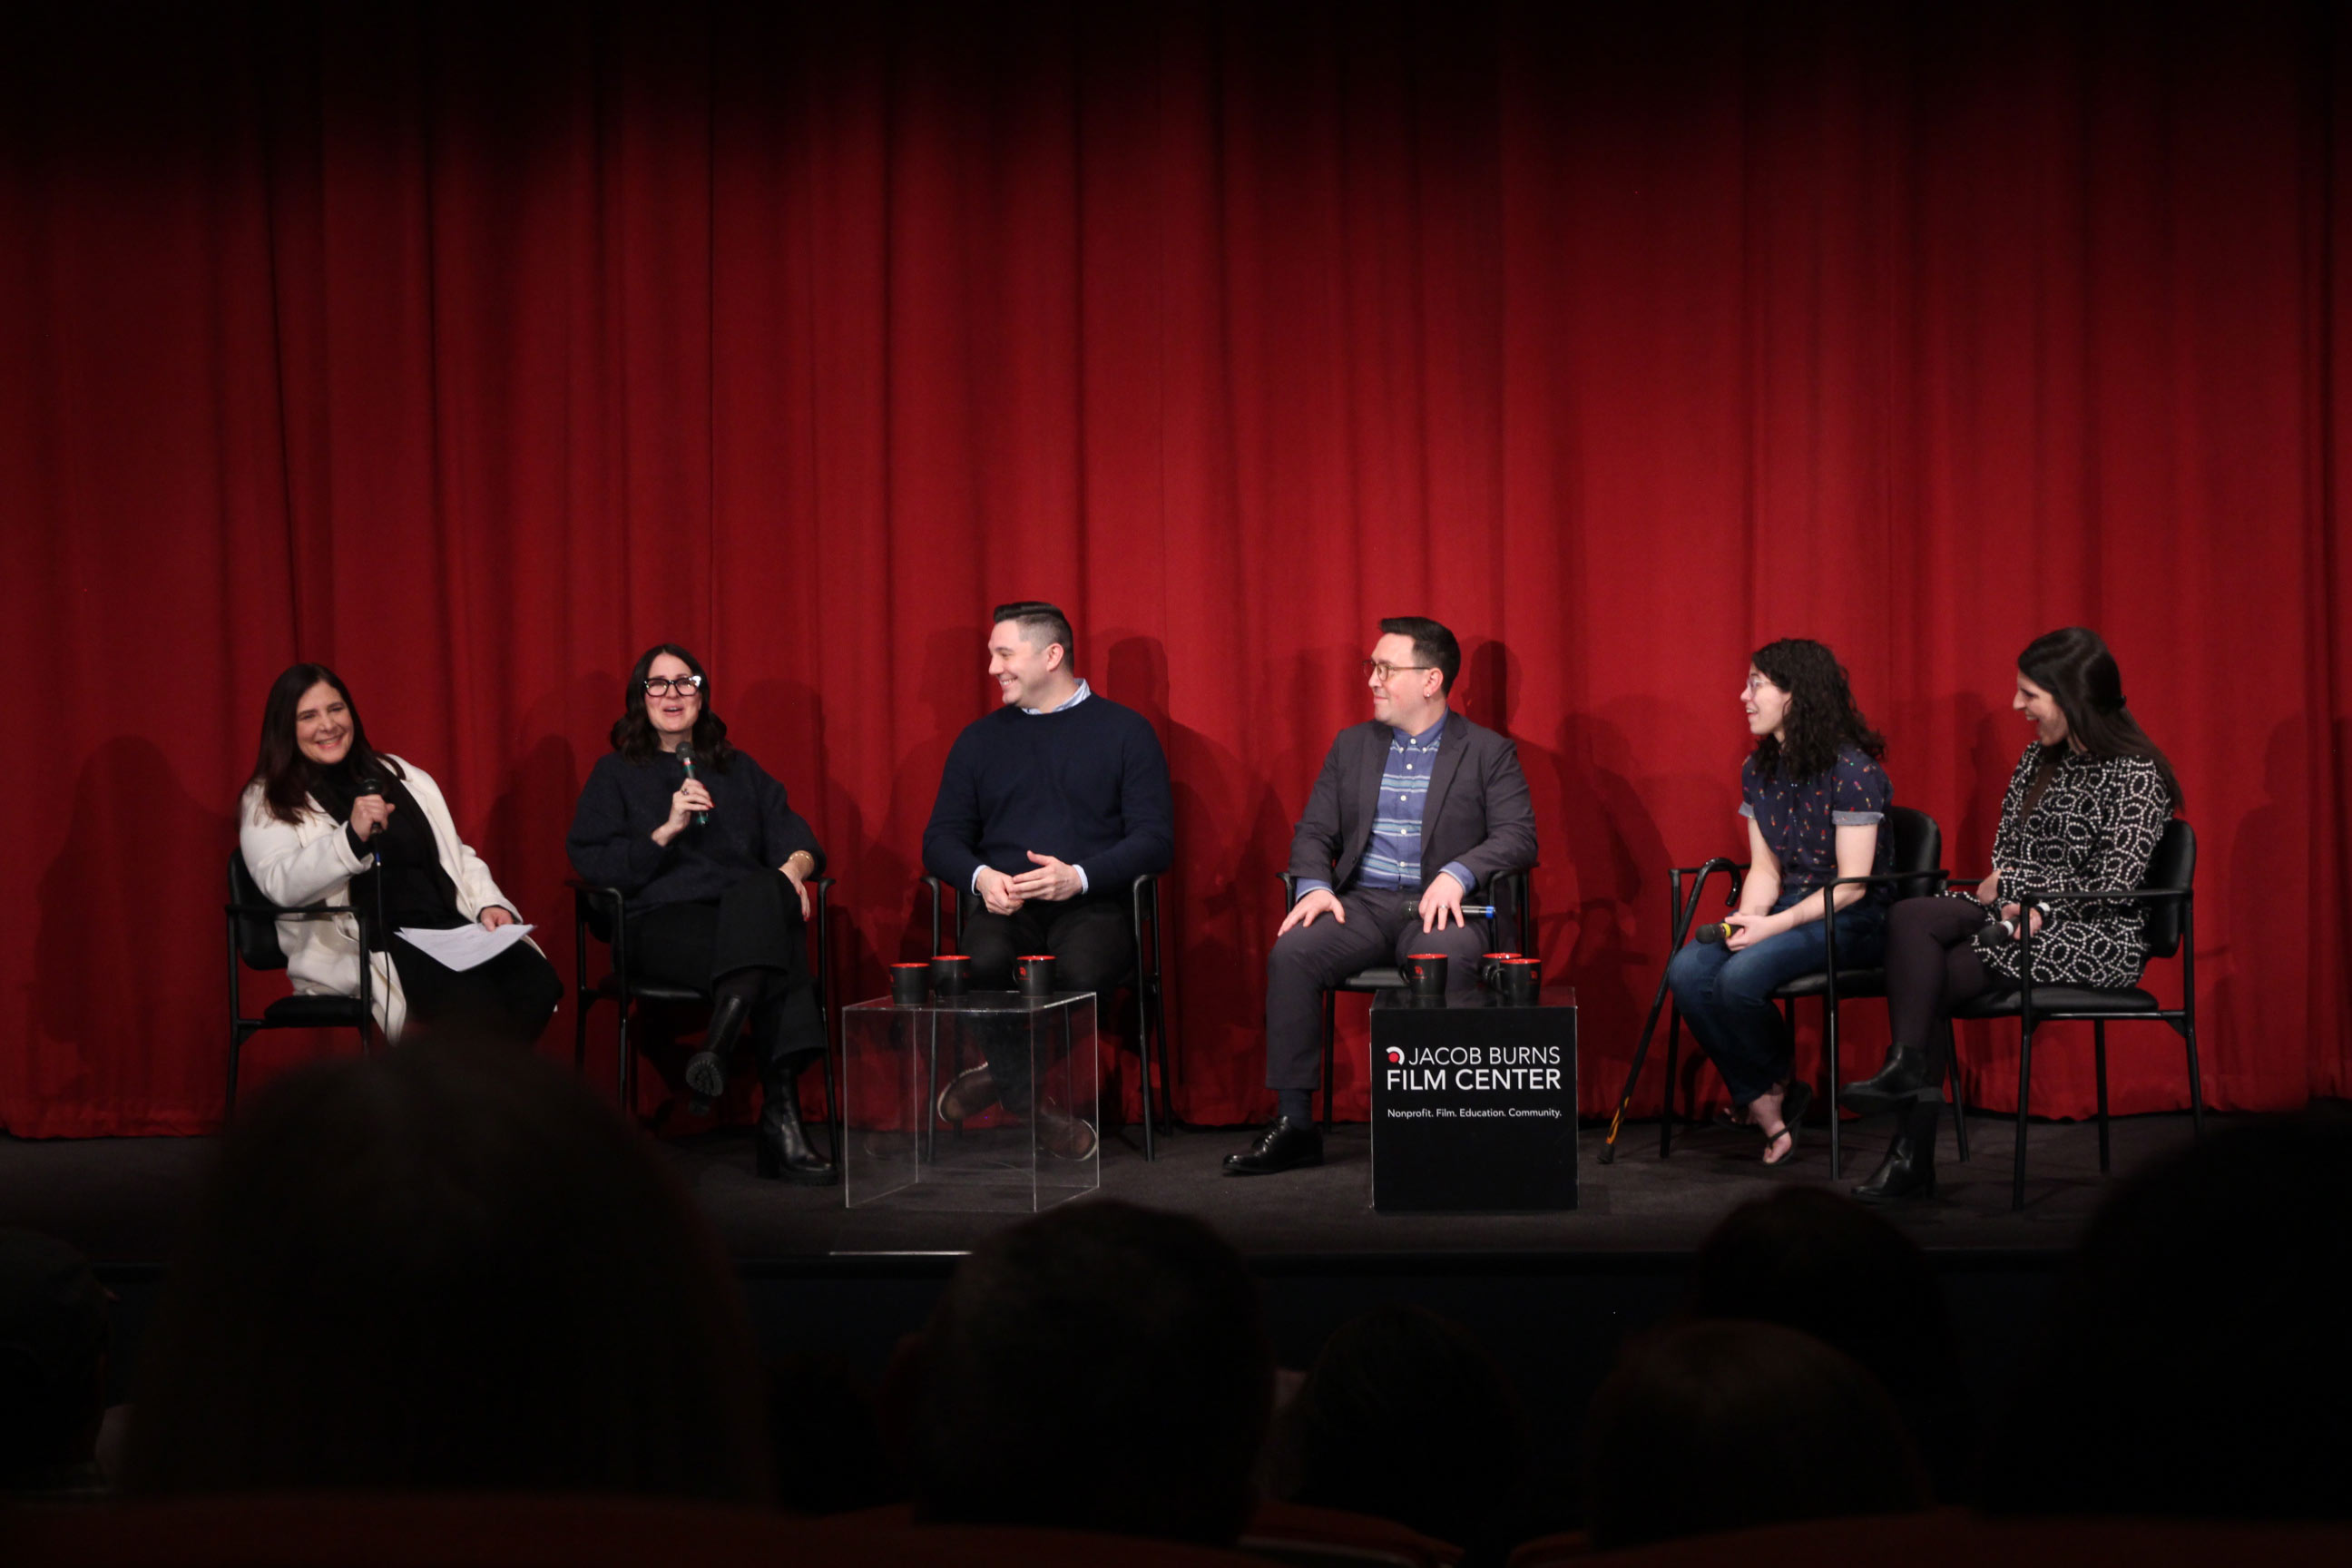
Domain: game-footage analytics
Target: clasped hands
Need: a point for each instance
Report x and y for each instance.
(1052, 881)
(1441, 899)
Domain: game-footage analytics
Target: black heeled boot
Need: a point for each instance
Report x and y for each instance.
(1905, 1077)
(706, 1069)
(1909, 1169)
(783, 1141)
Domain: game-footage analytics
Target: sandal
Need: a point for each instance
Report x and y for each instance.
(1729, 1116)
(1789, 1131)
(1796, 1101)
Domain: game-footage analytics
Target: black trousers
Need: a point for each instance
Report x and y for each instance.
(1931, 968)
(1092, 938)
(1383, 926)
(753, 930)
(512, 995)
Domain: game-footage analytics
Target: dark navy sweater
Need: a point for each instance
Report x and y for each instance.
(1087, 785)
(751, 828)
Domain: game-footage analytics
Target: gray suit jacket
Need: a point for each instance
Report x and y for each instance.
(1478, 812)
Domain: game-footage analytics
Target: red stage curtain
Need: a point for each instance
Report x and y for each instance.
(471, 348)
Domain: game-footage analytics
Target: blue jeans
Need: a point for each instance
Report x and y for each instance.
(1726, 996)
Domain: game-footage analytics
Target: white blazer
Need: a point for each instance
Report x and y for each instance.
(309, 861)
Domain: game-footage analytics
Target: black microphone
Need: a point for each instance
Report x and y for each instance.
(1719, 931)
(685, 756)
(371, 786)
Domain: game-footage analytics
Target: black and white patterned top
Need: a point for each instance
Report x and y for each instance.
(2096, 826)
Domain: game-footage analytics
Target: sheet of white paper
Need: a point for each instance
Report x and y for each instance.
(465, 946)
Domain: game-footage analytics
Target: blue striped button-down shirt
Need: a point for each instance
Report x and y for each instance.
(1392, 857)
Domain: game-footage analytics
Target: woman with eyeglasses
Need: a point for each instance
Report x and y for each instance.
(1815, 798)
(326, 818)
(2085, 808)
(716, 864)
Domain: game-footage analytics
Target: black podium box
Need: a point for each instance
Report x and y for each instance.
(1474, 1104)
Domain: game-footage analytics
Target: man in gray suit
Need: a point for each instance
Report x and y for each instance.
(1414, 810)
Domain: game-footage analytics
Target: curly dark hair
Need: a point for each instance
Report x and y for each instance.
(633, 731)
(1823, 719)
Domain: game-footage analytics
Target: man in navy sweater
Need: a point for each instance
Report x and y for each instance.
(1048, 810)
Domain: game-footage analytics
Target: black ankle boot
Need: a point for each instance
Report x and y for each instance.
(706, 1069)
(1909, 1169)
(1902, 1080)
(783, 1141)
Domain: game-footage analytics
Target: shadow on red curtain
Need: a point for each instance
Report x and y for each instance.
(471, 353)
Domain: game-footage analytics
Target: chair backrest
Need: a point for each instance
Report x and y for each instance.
(2174, 864)
(1918, 851)
(256, 935)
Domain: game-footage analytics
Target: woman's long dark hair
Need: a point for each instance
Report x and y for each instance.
(282, 770)
(634, 735)
(1823, 719)
(2073, 666)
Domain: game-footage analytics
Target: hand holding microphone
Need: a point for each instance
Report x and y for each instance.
(686, 760)
(371, 813)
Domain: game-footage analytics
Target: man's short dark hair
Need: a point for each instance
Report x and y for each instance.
(1127, 1344)
(1432, 644)
(1042, 624)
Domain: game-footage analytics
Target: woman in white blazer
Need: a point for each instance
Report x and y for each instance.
(325, 818)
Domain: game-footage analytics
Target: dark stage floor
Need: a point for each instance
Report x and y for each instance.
(119, 1199)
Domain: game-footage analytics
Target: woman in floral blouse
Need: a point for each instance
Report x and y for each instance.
(1815, 799)
(2085, 809)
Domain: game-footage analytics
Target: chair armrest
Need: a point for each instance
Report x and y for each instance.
(286, 912)
(940, 889)
(2141, 895)
(1877, 877)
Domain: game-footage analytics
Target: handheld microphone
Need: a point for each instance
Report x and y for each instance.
(371, 786)
(1719, 931)
(685, 756)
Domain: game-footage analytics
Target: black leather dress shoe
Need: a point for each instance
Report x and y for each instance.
(1285, 1146)
(1903, 1079)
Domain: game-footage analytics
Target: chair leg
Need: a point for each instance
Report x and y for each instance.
(2025, 1092)
(236, 1046)
(1666, 1100)
(2196, 1083)
(2099, 1059)
(1952, 1082)
(836, 1131)
(621, 1034)
(580, 1001)
(1330, 1044)
(1143, 1058)
(1830, 1064)
(1159, 1038)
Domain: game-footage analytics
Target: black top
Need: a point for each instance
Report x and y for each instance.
(752, 827)
(1087, 785)
(416, 890)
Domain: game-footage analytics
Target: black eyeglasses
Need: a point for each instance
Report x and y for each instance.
(1379, 671)
(683, 685)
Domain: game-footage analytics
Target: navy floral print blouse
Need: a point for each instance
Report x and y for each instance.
(1799, 818)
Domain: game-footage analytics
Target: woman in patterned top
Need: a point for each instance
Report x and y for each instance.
(2085, 809)
(1813, 795)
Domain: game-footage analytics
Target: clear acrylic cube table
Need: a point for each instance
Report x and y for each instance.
(899, 1055)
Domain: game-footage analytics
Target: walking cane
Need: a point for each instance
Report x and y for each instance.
(1681, 921)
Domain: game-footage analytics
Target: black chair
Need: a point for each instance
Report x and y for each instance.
(1147, 988)
(1512, 903)
(2167, 890)
(253, 944)
(603, 912)
(1919, 849)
